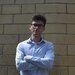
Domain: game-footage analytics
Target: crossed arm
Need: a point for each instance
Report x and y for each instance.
(29, 62)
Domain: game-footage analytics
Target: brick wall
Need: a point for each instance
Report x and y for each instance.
(15, 16)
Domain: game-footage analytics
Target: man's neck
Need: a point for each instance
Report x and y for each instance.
(36, 38)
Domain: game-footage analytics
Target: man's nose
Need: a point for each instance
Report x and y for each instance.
(36, 27)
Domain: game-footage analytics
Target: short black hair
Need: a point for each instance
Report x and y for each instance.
(39, 18)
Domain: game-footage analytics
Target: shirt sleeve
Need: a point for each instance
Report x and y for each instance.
(21, 63)
(46, 62)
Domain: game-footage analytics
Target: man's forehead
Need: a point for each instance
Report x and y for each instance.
(38, 22)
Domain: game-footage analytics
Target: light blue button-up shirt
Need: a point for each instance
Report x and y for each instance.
(34, 58)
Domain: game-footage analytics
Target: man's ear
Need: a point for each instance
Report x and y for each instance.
(43, 29)
(29, 27)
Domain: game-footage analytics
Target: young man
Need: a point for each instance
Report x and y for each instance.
(35, 55)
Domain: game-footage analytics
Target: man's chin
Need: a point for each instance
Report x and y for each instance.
(36, 34)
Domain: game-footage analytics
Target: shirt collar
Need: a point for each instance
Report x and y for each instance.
(32, 42)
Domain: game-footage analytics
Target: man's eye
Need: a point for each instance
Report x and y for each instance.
(37, 25)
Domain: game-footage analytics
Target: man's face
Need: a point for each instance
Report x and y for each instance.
(37, 28)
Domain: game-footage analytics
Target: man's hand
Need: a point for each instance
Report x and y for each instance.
(27, 57)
